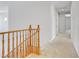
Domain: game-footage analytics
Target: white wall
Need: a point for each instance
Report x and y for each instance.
(34, 13)
(21, 14)
(54, 16)
(3, 15)
(75, 25)
(57, 22)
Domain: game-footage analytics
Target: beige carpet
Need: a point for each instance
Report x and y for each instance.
(60, 47)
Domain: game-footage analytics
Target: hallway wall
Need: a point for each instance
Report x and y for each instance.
(54, 18)
(33, 13)
(75, 25)
(3, 18)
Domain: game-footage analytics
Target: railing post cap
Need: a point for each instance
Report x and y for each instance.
(29, 26)
(38, 27)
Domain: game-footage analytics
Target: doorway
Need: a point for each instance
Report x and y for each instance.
(65, 24)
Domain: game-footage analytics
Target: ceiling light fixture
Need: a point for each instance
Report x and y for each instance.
(67, 15)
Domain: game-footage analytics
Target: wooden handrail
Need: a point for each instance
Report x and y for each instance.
(15, 31)
(25, 47)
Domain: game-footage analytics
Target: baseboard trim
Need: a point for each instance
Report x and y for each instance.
(76, 49)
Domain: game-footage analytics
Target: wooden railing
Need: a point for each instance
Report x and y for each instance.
(21, 43)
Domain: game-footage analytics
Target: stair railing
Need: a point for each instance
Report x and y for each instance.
(21, 43)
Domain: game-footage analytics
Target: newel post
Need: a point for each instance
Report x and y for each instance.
(38, 30)
(30, 47)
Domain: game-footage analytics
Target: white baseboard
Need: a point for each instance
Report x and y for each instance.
(52, 38)
(76, 49)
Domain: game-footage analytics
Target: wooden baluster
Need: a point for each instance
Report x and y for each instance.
(20, 44)
(31, 41)
(28, 43)
(13, 44)
(30, 38)
(16, 44)
(3, 45)
(23, 42)
(38, 39)
(34, 41)
(8, 45)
